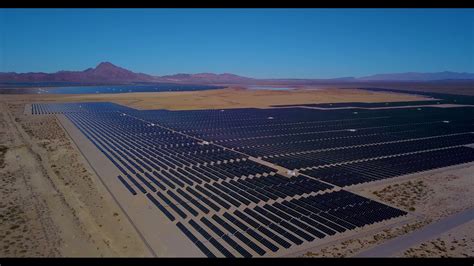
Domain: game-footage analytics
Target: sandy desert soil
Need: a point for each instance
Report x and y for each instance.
(352, 246)
(458, 242)
(224, 98)
(52, 204)
(434, 194)
(431, 196)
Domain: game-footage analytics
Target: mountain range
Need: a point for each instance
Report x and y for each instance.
(105, 72)
(108, 73)
(416, 76)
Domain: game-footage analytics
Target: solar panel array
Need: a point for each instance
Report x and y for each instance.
(369, 105)
(437, 98)
(203, 169)
(304, 139)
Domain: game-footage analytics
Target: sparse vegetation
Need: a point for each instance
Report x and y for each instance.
(440, 248)
(352, 246)
(404, 195)
(3, 151)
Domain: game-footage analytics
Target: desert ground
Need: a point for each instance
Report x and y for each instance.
(456, 243)
(53, 205)
(431, 195)
(232, 97)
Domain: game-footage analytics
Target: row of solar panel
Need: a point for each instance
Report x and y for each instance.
(295, 117)
(169, 160)
(282, 225)
(227, 193)
(452, 98)
(268, 138)
(370, 105)
(345, 154)
(40, 109)
(277, 129)
(361, 172)
(310, 142)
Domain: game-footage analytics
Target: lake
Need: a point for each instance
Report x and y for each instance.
(270, 88)
(107, 89)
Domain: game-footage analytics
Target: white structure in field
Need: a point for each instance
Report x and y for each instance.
(292, 172)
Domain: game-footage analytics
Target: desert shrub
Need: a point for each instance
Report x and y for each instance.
(3, 150)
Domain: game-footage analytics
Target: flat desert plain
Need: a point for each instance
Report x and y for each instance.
(53, 204)
(232, 97)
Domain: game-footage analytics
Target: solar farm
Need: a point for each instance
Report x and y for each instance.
(261, 182)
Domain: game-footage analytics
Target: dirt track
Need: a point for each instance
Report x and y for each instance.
(52, 204)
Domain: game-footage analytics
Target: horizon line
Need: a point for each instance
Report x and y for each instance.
(246, 76)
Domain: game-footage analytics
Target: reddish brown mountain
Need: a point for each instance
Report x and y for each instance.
(105, 72)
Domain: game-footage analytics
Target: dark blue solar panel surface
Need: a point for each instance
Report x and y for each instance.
(196, 166)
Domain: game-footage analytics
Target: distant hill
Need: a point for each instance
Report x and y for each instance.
(416, 76)
(105, 72)
(108, 73)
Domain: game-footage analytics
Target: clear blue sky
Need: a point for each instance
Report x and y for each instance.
(263, 43)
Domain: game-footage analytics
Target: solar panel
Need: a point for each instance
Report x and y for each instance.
(186, 164)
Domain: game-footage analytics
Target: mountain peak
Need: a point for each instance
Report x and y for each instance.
(106, 65)
(108, 69)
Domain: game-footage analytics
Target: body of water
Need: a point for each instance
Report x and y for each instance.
(270, 88)
(107, 89)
